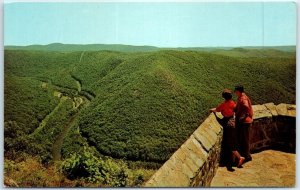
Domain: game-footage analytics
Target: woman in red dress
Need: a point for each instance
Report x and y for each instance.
(229, 132)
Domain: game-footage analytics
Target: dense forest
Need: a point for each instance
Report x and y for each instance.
(110, 118)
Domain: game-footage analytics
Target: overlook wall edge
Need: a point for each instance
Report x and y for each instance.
(196, 161)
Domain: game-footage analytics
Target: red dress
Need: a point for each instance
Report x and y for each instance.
(229, 132)
(226, 108)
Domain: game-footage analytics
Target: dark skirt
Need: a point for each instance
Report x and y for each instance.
(229, 136)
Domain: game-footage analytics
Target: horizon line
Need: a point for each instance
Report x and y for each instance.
(153, 45)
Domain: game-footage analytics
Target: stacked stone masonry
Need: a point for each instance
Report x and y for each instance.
(195, 163)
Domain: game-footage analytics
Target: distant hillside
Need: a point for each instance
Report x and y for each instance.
(145, 104)
(88, 47)
(291, 49)
(130, 48)
(253, 52)
(280, 48)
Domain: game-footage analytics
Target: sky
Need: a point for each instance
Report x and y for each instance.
(196, 24)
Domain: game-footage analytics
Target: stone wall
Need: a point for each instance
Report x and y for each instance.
(196, 161)
(274, 127)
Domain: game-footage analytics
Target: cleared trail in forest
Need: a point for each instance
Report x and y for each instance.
(57, 145)
(46, 119)
(86, 97)
(78, 83)
(64, 94)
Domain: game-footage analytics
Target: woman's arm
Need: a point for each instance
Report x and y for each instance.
(217, 109)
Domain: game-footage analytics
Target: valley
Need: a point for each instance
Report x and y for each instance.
(123, 112)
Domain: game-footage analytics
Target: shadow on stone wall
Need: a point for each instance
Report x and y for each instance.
(195, 163)
(274, 127)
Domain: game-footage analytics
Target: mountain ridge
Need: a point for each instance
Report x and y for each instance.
(134, 48)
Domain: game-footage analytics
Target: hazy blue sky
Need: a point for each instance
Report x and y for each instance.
(158, 24)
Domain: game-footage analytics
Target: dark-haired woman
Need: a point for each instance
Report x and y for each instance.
(229, 132)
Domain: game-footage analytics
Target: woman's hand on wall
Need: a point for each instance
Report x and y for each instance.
(213, 110)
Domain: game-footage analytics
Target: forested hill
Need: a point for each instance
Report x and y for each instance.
(143, 105)
(80, 47)
(131, 48)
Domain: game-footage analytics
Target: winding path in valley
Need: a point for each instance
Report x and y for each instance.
(46, 119)
(84, 100)
(57, 145)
